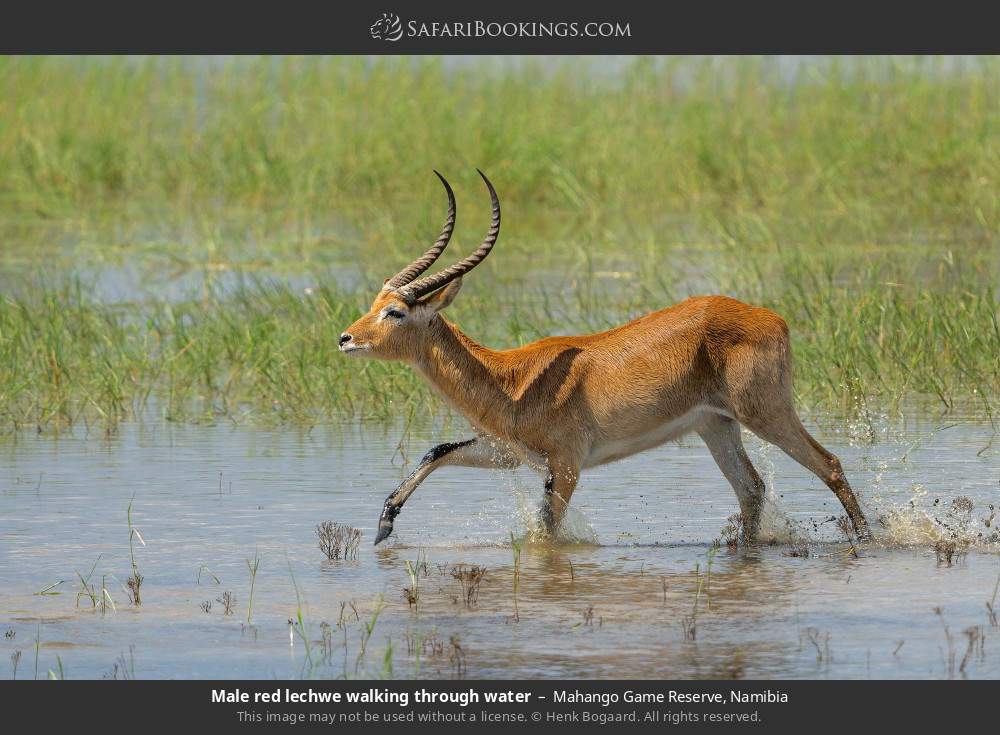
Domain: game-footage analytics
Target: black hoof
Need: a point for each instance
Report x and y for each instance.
(383, 533)
(389, 513)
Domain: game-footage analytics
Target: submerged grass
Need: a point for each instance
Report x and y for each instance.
(855, 197)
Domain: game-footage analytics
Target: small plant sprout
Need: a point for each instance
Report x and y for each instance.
(991, 611)
(298, 625)
(386, 672)
(50, 589)
(689, 626)
(252, 566)
(976, 640)
(689, 623)
(206, 570)
(228, 602)
(134, 582)
(106, 598)
(457, 657)
(710, 556)
(470, 577)
(86, 589)
(516, 546)
(326, 631)
(123, 667)
(38, 647)
(949, 663)
(820, 642)
(368, 629)
(338, 540)
(412, 593)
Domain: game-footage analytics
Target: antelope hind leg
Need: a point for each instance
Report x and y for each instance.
(791, 436)
(722, 436)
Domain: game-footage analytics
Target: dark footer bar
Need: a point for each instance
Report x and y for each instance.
(377, 705)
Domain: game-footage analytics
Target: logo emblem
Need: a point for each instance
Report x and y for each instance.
(387, 28)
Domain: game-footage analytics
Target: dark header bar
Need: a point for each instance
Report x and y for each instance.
(514, 27)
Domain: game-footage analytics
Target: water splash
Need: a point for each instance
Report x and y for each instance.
(573, 529)
(776, 525)
(957, 524)
(528, 515)
(914, 517)
(525, 519)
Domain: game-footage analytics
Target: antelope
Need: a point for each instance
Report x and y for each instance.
(564, 404)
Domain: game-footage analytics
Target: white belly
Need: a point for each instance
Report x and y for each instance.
(675, 428)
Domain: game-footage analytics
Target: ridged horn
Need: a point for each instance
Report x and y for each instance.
(429, 284)
(425, 261)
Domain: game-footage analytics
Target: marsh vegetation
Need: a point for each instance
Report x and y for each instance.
(184, 239)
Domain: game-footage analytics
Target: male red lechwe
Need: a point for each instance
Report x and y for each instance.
(563, 404)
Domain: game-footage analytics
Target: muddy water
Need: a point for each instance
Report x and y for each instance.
(642, 592)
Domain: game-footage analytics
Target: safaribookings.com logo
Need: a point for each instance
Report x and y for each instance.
(387, 28)
(390, 28)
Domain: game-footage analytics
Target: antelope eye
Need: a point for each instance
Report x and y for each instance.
(395, 314)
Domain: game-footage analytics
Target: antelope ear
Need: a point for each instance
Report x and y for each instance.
(443, 297)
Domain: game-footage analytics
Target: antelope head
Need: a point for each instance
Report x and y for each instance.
(403, 311)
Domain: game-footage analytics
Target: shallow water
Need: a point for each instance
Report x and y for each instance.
(207, 498)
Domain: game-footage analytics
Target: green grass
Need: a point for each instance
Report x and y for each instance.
(852, 150)
(268, 352)
(858, 198)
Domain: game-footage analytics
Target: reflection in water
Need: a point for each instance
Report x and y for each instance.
(651, 597)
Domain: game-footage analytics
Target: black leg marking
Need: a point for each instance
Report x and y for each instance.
(392, 506)
(548, 518)
(436, 453)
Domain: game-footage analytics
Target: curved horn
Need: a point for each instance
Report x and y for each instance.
(428, 284)
(425, 261)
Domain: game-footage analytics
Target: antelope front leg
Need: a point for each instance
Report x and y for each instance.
(476, 452)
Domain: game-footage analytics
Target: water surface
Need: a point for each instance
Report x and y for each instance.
(618, 603)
